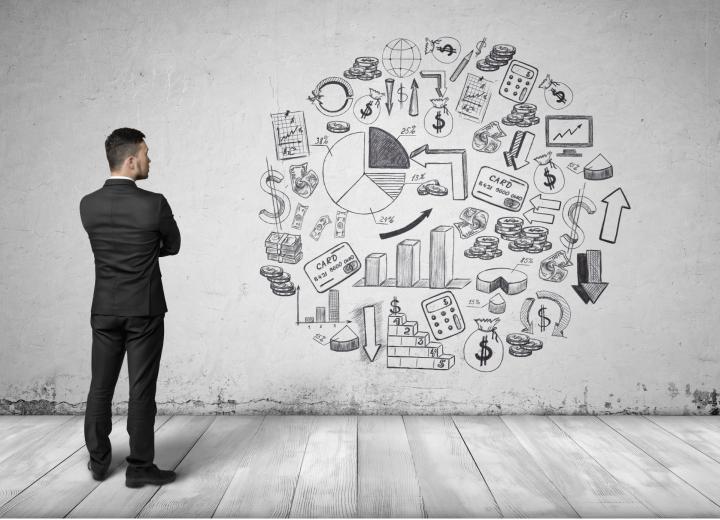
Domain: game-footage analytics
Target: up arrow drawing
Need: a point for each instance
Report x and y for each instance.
(413, 110)
(615, 202)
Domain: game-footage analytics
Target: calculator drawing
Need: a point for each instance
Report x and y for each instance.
(518, 81)
(443, 315)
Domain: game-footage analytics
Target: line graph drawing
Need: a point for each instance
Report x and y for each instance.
(290, 134)
(475, 98)
(569, 131)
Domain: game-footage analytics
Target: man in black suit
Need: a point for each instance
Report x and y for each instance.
(129, 229)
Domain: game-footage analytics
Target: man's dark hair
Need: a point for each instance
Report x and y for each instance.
(121, 144)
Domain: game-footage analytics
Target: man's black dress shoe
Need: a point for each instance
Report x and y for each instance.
(137, 477)
(97, 475)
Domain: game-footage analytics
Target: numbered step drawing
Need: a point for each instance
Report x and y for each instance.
(408, 347)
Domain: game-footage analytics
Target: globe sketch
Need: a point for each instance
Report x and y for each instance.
(401, 58)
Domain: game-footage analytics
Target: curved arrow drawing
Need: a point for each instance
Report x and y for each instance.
(565, 313)
(425, 214)
(525, 315)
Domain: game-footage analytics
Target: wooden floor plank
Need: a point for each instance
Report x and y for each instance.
(702, 433)
(10, 424)
(327, 485)
(662, 492)
(451, 484)
(205, 472)
(265, 480)
(518, 484)
(387, 482)
(112, 499)
(23, 467)
(694, 467)
(374, 466)
(21, 431)
(589, 488)
(57, 492)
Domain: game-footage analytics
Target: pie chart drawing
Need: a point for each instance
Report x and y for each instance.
(360, 172)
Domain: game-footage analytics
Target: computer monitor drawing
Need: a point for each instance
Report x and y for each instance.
(569, 132)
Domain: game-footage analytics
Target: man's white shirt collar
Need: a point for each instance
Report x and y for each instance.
(122, 177)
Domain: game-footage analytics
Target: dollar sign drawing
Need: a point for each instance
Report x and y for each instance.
(550, 182)
(559, 94)
(394, 307)
(281, 202)
(544, 320)
(448, 49)
(402, 96)
(485, 352)
(367, 110)
(571, 216)
(440, 122)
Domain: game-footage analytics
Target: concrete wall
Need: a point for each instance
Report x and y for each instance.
(201, 79)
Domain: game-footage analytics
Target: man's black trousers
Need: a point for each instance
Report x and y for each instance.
(142, 338)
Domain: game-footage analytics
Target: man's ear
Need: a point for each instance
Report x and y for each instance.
(130, 161)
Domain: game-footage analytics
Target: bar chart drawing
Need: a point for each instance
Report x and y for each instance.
(408, 264)
(323, 315)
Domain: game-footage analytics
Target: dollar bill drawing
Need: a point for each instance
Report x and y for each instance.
(552, 269)
(300, 211)
(472, 221)
(303, 182)
(487, 138)
(340, 220)
(319, 226)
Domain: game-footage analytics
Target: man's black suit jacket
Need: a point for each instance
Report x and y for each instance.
(129, 229)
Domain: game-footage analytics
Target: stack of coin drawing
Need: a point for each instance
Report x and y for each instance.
(364, 68)
(509, 227)
(499, 56)
(432, 188)
(530, 239)
(521, 345)
(280, 283)
(485, 248)
(522, 114)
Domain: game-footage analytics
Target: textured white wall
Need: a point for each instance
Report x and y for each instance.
(201, 79)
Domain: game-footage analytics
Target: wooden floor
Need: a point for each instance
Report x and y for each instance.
(374, 466)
